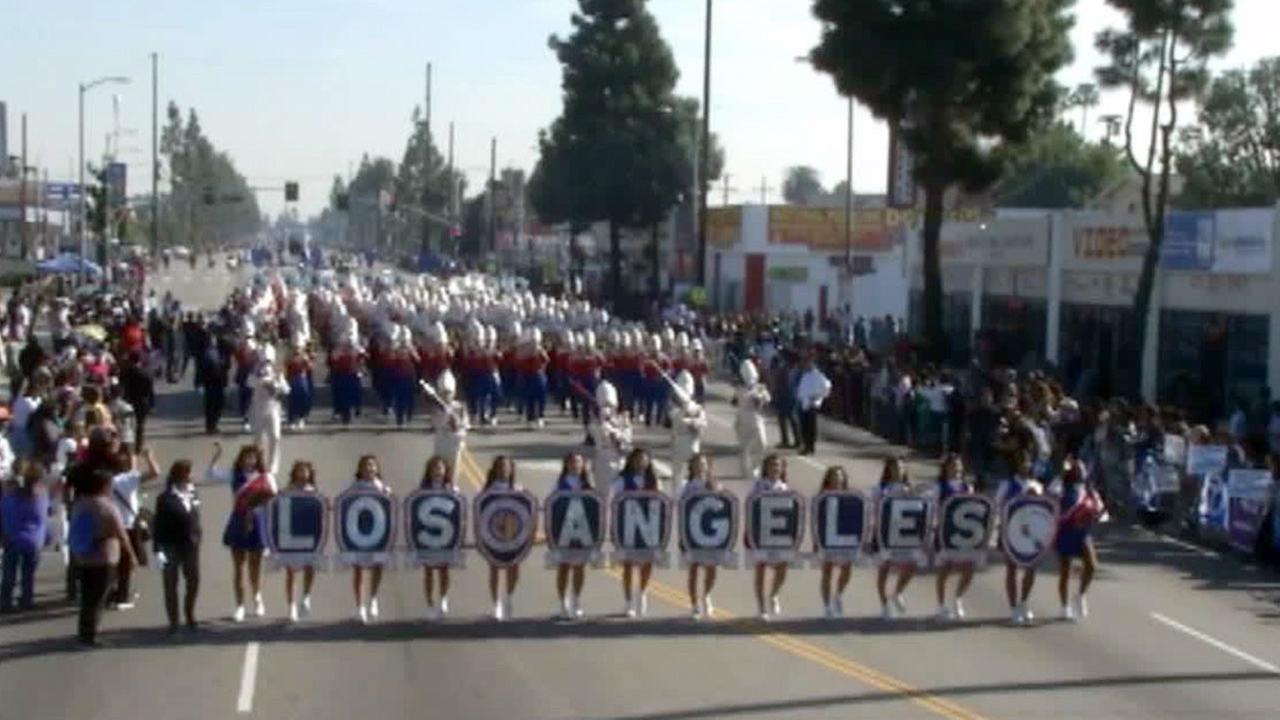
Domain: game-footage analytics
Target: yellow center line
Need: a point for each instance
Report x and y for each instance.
(788, 643)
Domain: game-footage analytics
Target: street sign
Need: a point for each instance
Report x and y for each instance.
(117, 173)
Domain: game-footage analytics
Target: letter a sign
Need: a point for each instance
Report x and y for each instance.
(297, 528)
(574, 524)
(435, 522)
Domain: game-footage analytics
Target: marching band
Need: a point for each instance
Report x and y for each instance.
(471, 347)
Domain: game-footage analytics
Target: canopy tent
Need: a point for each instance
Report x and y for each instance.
(68, 264)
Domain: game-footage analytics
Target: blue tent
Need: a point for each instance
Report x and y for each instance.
(68, 264)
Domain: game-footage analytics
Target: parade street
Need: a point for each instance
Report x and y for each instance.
(1174, 631)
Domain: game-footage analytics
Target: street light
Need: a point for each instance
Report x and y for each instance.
(85, 87)
(848, 182)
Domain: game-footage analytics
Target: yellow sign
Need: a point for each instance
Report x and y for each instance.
(874, 229)
(724, 225)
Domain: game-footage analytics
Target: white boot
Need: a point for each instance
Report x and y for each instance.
(644, 604)
(373, 608)
(444, 606)
(293, 612)
(707, 608)
(630, 610)
(575, 605)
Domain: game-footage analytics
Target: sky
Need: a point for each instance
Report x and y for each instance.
(301, 89)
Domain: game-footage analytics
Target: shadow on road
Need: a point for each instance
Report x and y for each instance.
(781, 707)
(525, 629)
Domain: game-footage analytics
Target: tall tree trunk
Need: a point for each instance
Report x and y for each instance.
(935, 338)
(615, 264)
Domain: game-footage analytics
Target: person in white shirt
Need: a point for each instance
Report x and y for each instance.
(450, 421)
(811, 391)
(751, 398)
(267, 408)
(125, 485)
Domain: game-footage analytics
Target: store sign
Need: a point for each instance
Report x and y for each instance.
(1242, 241)
(724, 225)
(1099, 288)
(1103, 243)
(996, 243)
(1188, 241)
(789, 274)
(902, 168)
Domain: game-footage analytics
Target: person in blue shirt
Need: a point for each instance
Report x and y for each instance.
(1021, 483)
(24, 515)
(637, 476)
(1079, 508)
(952, 482)
(575, 476)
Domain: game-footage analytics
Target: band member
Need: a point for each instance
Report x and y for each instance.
(637, 475)
(833, 599)
(243, 535)
(1021, 483)
(654, 365)
(502, 476)
(951, 482)
(773, 477)
(344, 380)
(610, 433)
(297, 372)
(449, 418)
(1078, 509)
(368, 475)
(688, 421)
(893, 481)
(698, 479)
(574, 476)
(302, 478)
(402, 375)
(438, 475)
(532, 363)
(697, 366)
(751, 397)
(246, 356)
(267, 410)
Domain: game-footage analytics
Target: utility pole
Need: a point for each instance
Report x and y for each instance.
(155, 156)
(848, 195)
(427, 107)
(426, 165)
(22, 193)
(726, 189)
(493, 186)
(705, 151)
(764, 190)
(452, 188)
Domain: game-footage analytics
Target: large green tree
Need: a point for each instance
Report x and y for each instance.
(1233, 157)
(975, 75)
(209, 202)
(802, 185)
(1057, 169)
(614, 154)
(1159, 58)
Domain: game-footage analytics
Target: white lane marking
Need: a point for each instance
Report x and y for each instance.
(811, 462)
(248, 679)
(1260, 664)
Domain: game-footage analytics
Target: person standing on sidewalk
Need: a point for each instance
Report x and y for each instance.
(24, 513)
(811, 391)
(782, 383)
(98, 543)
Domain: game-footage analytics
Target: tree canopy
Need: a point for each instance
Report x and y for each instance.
(802, 185)
(1233, 157)
(978, 75)
(614, 154)
(1057, 168)
(209, 201)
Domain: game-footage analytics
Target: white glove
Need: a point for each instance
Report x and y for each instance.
(161, 558)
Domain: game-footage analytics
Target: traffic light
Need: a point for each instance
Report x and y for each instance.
(291, 191)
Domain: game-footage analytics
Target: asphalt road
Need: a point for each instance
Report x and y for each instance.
(1175, 632)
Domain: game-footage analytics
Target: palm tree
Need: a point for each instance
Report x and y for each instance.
(1085, 96)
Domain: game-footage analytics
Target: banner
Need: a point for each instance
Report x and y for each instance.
(366, 527)
(902, 528)
(297, 528)
(641, 527)
(1248, 499)
(724, 225)
(1188, 241)
(1029, 528)
(575, 527)
(1205, 459)
(435, 522)
(839, 522)
(1242, 241)
(1175, 450)
(709, 528)
(775, 526)
(505, 523)
(965, 525)
(1211, 514)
